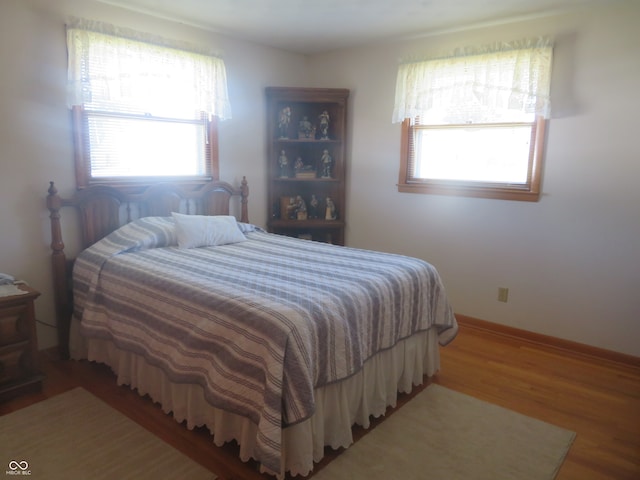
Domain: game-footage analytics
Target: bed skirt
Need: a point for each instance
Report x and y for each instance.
(338, 406)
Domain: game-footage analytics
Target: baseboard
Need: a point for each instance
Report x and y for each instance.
(568, 346)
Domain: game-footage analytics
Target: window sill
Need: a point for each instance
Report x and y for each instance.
(500, 193)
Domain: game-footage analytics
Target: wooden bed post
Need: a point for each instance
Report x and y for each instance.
(244, 188)
(59, 264)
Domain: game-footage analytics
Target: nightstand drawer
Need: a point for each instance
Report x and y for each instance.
(19, 372)
(15, 362)
(14, 324)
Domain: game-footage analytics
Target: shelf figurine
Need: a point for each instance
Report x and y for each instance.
(303, 171)
(283, 162)
(288, 208)
(283, 122)
(330, 211)
(324, 125)
(313, 207)
(305, 129)
(301, 208)
(326, 163)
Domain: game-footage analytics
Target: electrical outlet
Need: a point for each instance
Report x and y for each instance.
(503, 294)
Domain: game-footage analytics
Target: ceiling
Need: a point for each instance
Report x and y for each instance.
(309, 27)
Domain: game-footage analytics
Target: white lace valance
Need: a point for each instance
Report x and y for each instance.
(505, 82)
(116, 70)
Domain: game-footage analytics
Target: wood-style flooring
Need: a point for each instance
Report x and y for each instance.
(598, 399)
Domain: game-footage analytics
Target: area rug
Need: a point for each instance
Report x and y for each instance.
(76, 435)
(445, 435)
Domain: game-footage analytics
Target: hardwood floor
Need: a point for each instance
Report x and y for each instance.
(598, 399)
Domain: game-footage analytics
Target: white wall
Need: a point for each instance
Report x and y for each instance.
(572, 260)
(35, 139)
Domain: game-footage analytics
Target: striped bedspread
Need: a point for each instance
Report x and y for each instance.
(258, 324)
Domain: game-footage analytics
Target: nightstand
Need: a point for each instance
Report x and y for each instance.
(19, 372)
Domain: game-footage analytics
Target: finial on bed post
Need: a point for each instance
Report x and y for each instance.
(244, 187)
(54, 202)
(59, 264)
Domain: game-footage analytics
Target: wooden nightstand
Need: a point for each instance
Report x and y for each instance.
(19, 370)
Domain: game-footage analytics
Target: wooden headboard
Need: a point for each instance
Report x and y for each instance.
(103, 209)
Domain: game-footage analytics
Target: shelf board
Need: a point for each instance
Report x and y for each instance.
(306, 140)
(302, 224)
(317, 179)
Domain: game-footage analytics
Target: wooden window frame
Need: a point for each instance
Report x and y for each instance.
(82, 158)
(529, 192)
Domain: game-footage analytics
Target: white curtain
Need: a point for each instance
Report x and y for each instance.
(120, 70)
(506, 82)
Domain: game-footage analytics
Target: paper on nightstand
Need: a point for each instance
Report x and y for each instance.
(10, 290)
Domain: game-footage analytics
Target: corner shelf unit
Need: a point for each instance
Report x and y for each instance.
(306, 155)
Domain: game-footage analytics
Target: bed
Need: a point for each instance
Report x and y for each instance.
(278, 343)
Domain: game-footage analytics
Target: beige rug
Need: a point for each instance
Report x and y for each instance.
(75, 435)
(445, 435)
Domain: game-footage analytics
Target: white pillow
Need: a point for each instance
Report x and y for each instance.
(206, 231)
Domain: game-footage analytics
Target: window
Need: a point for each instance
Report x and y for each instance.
(474, 124)
(142, 111)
